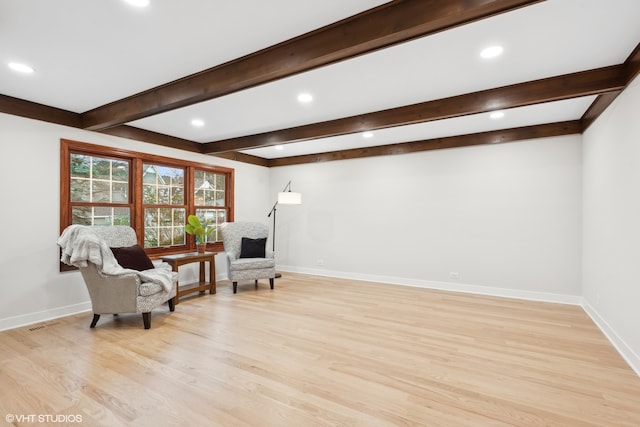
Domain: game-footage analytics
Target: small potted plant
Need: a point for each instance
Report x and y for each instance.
(200, 230)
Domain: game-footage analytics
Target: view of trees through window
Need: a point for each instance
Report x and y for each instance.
(154, 195)
(103, 181)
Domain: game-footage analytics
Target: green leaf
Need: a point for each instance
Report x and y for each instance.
(195, 228)
(194, 221)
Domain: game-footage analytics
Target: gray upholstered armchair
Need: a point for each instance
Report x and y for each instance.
(112, 288)
(246, 266)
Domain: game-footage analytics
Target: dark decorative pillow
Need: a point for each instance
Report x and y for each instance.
(133, 257)
(253, 248)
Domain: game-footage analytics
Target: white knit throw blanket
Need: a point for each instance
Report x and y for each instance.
(80, 245)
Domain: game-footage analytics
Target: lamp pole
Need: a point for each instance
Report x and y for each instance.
(297, 199)
(273, 239)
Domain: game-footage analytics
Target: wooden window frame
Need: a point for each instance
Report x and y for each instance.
(136, 160)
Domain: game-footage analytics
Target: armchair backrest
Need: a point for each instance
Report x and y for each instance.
(116, 236)
(233, 232)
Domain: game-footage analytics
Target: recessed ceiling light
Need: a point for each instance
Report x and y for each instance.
(305, 97)
(138, 3)
(492, 52)
(367, 135)
(197, 122)
(497, 115)
(279, 147)
(21, 68)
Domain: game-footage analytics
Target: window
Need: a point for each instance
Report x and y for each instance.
(164, 206)
(99, 190)
(210, 200)
(154, 195)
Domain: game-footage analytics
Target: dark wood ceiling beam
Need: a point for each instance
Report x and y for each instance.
(143, 135)
(33, 110)
(631, 69)
(244, 158)
(601, 80)
(597, 107)
(394, 22)
(493, 137)
(632, 64)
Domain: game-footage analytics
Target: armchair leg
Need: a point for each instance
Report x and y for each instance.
(146, 318)
(96, 317)
(271, 282)
(172, 304)
(235, 287)
(256, 284)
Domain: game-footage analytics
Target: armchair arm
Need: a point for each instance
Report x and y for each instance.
(111, 294)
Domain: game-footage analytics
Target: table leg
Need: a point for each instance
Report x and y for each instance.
(177, 300)
(212, 275)
(201, 279)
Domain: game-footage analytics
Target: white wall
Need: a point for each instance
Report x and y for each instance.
(611, 272)
(529, 219)
(506, 218)
(31, 287)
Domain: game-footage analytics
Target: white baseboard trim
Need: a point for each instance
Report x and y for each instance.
(618, 343)
(43, 316)
(625, 351)
(443, 286)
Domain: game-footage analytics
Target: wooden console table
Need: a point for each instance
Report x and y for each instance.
(181, 259)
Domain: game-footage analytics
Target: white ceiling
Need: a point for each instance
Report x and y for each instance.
(89, 53)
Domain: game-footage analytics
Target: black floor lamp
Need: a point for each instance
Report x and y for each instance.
(285, 197)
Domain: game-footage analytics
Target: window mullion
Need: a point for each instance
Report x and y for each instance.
(189, 199)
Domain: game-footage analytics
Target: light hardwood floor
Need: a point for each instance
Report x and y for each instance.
(319, 352)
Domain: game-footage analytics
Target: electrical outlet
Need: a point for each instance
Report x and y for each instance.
(320, 262)
(454, 275)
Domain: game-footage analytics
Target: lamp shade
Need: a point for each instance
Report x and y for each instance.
(290, 198)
